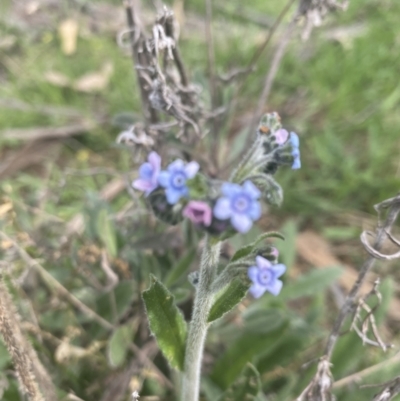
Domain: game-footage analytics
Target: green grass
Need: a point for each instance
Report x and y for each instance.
(343, 102)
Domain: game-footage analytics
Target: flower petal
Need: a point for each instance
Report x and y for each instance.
(281, 136)
(177, 165)
(294, 140)
(241, 222)
(172, 196)
(229, 189)
(296, 163)
(163, 178)
(263, 263)
(255, 210)
(278, 269)
(142, 185)
(222, 209)
(191, 169)
(155, 160)
(251, 190)
(257, 290)
(253, 273)
(275, 287)
(145, 171)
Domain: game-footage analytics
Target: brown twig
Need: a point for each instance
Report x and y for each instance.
(139, 60)
(312, 393)
(212, 83)
(394, 209)
(270, 77)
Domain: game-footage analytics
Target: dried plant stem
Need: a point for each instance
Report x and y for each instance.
(139, 60)
(13, 338)
(357, 377)
(270, 77)
(212, 83)
(348, 306)
(199, 325)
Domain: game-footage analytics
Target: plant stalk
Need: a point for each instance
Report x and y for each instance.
(198, 325)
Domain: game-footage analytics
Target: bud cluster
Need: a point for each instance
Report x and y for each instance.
(221, 207)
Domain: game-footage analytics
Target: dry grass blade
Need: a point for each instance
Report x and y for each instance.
(31, 134)
(33, 153)
(16, 345)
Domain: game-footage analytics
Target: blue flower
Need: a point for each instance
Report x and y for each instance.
(148, 174)
(174, 179)
(295, 142)
(239, 204)
(265, 277)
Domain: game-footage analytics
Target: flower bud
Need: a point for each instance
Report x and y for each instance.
(171, 214)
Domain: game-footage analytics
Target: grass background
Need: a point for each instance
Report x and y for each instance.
(339, 91)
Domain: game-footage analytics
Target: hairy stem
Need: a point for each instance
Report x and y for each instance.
(198, 325)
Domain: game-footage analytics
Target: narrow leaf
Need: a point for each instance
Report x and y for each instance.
(246, 250)
(247, 347)
(263, 321)
(311, 283)
(233, 294)
(166, 322)
(246, 387)
(106, 232)
(119, 344)
(180, 268)
(124, 294)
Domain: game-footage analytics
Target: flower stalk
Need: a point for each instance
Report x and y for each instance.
(198, 326)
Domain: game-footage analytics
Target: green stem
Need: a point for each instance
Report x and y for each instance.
(198, 325)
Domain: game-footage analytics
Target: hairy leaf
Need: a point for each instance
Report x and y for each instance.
(166, 322)
(231, 296)
(246, 250)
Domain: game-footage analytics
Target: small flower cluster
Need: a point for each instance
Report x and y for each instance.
(179, 191)
(239, 204)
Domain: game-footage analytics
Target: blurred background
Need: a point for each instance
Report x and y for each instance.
(67, 89)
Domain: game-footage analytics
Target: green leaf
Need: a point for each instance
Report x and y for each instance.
(180, 268)
(243, 350)
(124, 294)
(231, 296)
(246, 250)
(287, 250)
(118, 345)
(166, 322)
(311, 283)
(245, 388)
(263, 321)
(106, 232)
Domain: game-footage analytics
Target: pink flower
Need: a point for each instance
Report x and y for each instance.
(148, 173)
(274, 252)
(198, 212)
(281, 136)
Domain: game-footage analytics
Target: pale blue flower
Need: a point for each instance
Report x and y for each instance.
(295, 142)
(240, 204)
(265, 277)
(174, 179)
(148, 174)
